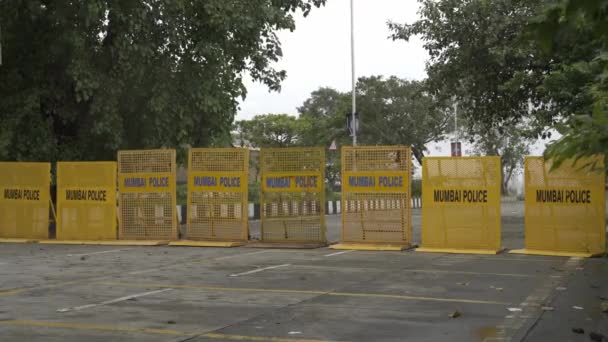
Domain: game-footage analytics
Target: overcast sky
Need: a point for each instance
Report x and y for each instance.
(317, 53)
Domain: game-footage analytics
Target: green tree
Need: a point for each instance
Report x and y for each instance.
(585, 74)
(394, 111)
(81, 79)
(512, 145)
(481, 54)
(270, 130)
(325, 115)
(325, 111)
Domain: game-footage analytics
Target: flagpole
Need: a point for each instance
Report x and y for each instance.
(354, 81)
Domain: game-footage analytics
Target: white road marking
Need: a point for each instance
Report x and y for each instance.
(338, 253)
(145, 271)
(93, 253)
(259, 270)
(112, 301)
(212, 259)
(243, 254)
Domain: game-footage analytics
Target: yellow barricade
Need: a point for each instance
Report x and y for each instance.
(86, 201)
(461, 204)
(293, 195)
(376, 198)
(146, 183)
(565, 209)
(217, 194)
(24, 201)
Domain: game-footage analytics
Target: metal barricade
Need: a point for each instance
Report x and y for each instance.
(376, 193)
(217, 194)
(461, 204)
(86, 201)
(24, 200)
(565, 210)
(293, 195)
(147, 197)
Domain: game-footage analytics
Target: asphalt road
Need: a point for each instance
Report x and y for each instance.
(117, 293)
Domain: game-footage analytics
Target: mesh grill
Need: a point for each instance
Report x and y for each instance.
(147, 212)
(376, 214)
(24, 215)
(293, 215)
(560, 224)
(458, 223)
(86, 200)
(218, 213)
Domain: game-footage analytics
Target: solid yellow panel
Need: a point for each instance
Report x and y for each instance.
(24, 200)
(461, 203)
(376, 196)
(293, 195)
(86, 201)
(217, 196)
(565, 207)
(147, 196)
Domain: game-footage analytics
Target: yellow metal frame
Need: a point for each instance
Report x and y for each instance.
(460, 250)
(144, 200)
(220, 162)
(86, 218)
(563, 225)
(293, 167)
(455, 225)
(364, 165)
(24, 201)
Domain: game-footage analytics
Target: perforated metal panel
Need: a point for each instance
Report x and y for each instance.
(376, 194)
(147, 195)
(293, 194)
(86, 201)
(217, 194)
(565, 208)
(461, 202)
(24, 200)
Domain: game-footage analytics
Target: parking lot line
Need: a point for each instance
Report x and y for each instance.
(239, 255)
(4, 293)
(94, 253)
(112, 301)
(11, 292)
(258, 270)
(338, 253)
(423, 270)
(80, 326)
(311, 292)
(149, 331)
(522, 275)
(258, 338)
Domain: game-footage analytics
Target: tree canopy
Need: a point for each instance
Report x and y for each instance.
(482, 54)
(80, 80)
(270, 130)
(585, 74)
(510, 70)
(394, 111)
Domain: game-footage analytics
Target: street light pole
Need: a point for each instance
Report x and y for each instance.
(354, 81)
(456, 120)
